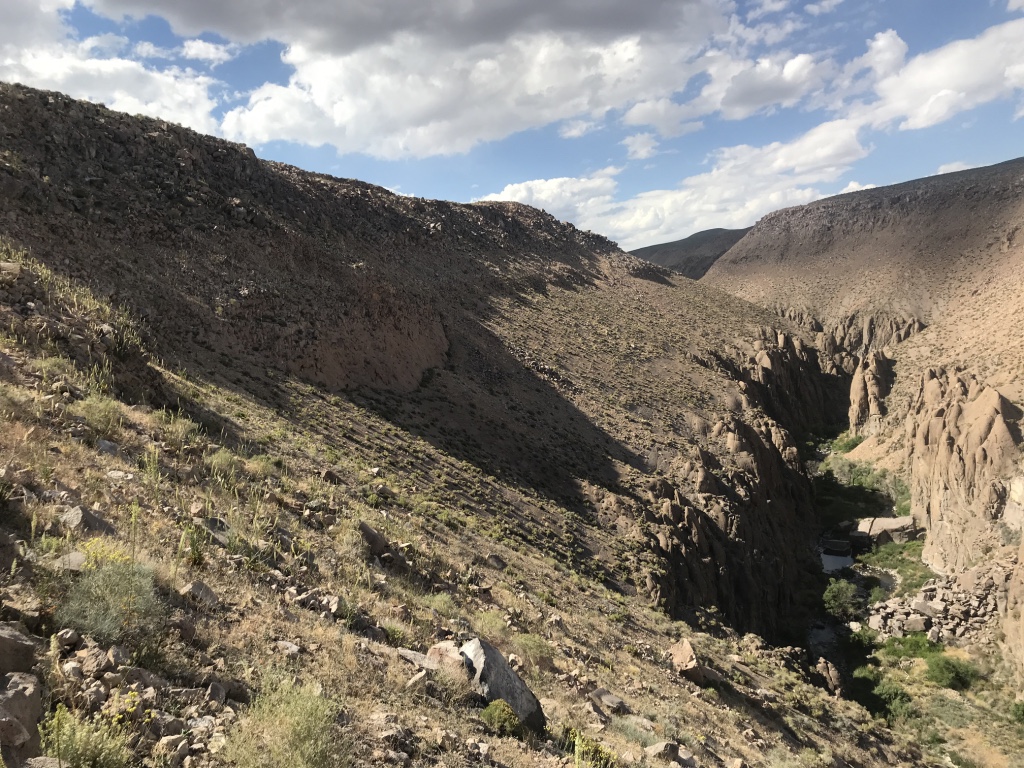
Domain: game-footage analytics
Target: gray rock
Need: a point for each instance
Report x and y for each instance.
(68, 639)
(494, 679)
(663, 750)
(79, 519)
(21, 707)
(917, 624)
(197, 593)
(613, 703)
(17, 652)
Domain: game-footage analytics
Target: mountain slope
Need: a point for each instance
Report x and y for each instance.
(367, 423)
(692, 256)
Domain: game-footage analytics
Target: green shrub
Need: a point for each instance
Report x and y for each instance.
(500, 718)
(223, 465)
(840, 599)
(114, 600)
(289, 726)
(951, 673)
(1017, 712)
(83, 743)
(101, 414)
(586, 752)
(846, 443)
(915, 645)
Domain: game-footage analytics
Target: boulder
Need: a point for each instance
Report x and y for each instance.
(663, 750)
(494, 679)
(79, 519)
(607, 699)
(445, 655)
(883, 530)
(197, 593)
(684, 661)
(17, 652)
(21, 707)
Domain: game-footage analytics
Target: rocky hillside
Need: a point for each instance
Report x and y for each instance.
(915, 291)
(692, 256)
(293, 465)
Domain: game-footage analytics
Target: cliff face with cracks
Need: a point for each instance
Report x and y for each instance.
(914, 292)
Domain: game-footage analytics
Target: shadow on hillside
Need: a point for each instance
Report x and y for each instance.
(490, 410)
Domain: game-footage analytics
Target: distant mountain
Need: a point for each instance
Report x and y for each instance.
(693, 256)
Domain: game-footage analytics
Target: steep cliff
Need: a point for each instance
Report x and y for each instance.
(915, 293)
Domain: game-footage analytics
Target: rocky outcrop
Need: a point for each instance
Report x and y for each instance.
(870, 384)
(952, 610)
(962, 448)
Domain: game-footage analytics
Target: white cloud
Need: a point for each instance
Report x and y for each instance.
(855, 186)
(412, 98)
(953, 167)
(147, 50)
(766, 7)
(641, 146)
(212, 53)
(934, 86)
(574, 129)
(1015, 5)
(825, 6)
(744, 184)
(567, 198)
(36, 49)
(736, 88)
(670, 119)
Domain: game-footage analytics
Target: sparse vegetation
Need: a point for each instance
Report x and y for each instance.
(290, 725)
(84, 743)
(950, 672)
(113, 601)
(905, 561)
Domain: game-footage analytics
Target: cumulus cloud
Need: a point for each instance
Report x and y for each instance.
(212, 53)
(953, 167)
(641, 146)
(744, 183)
(414, 98)
(37, 49)
(578, 199)
(934, 86)
(825, 6)
(1015, 5)
(736, 89)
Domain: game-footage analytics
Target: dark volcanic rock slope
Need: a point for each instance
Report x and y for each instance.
(693, 256)
(637, 426)
(915, 292)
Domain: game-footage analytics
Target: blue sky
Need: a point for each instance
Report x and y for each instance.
(644, 121)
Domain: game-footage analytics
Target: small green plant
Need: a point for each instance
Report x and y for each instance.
(951, 673)
(586, 752)
(500, 718)
(79, 743)
(112, 601)
(840, 599)
(101, 414)
(223, 466)
(290, 725)
(1017, 712)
